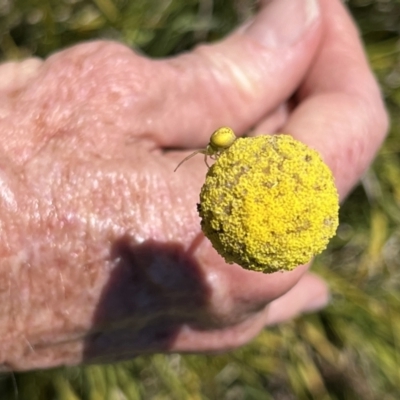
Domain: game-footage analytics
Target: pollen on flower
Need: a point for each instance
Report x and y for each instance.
(269, 203)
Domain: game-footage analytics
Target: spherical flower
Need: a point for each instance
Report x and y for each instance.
(269, 203)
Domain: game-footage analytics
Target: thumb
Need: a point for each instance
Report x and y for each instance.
(242, 78)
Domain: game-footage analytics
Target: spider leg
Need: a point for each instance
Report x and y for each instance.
(189, 156)
(205, 159)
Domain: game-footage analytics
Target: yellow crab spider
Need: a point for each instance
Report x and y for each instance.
(220, 140)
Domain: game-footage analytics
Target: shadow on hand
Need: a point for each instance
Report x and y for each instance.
(154, 289)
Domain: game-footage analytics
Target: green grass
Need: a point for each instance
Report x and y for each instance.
(350, 350)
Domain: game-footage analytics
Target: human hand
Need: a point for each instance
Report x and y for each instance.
(102, 256)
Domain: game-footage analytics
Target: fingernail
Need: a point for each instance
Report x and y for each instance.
(282, 22)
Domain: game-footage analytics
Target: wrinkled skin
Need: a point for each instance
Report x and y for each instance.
(101, 253)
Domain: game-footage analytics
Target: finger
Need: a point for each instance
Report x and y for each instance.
(309, 294)
(340, 112)
(273, 122)
(15, 75)
(237, 292)
(242, 78)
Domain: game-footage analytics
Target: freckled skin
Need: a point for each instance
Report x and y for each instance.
(269, 203)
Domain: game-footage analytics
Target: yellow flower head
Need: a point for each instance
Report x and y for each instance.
(269, 203)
